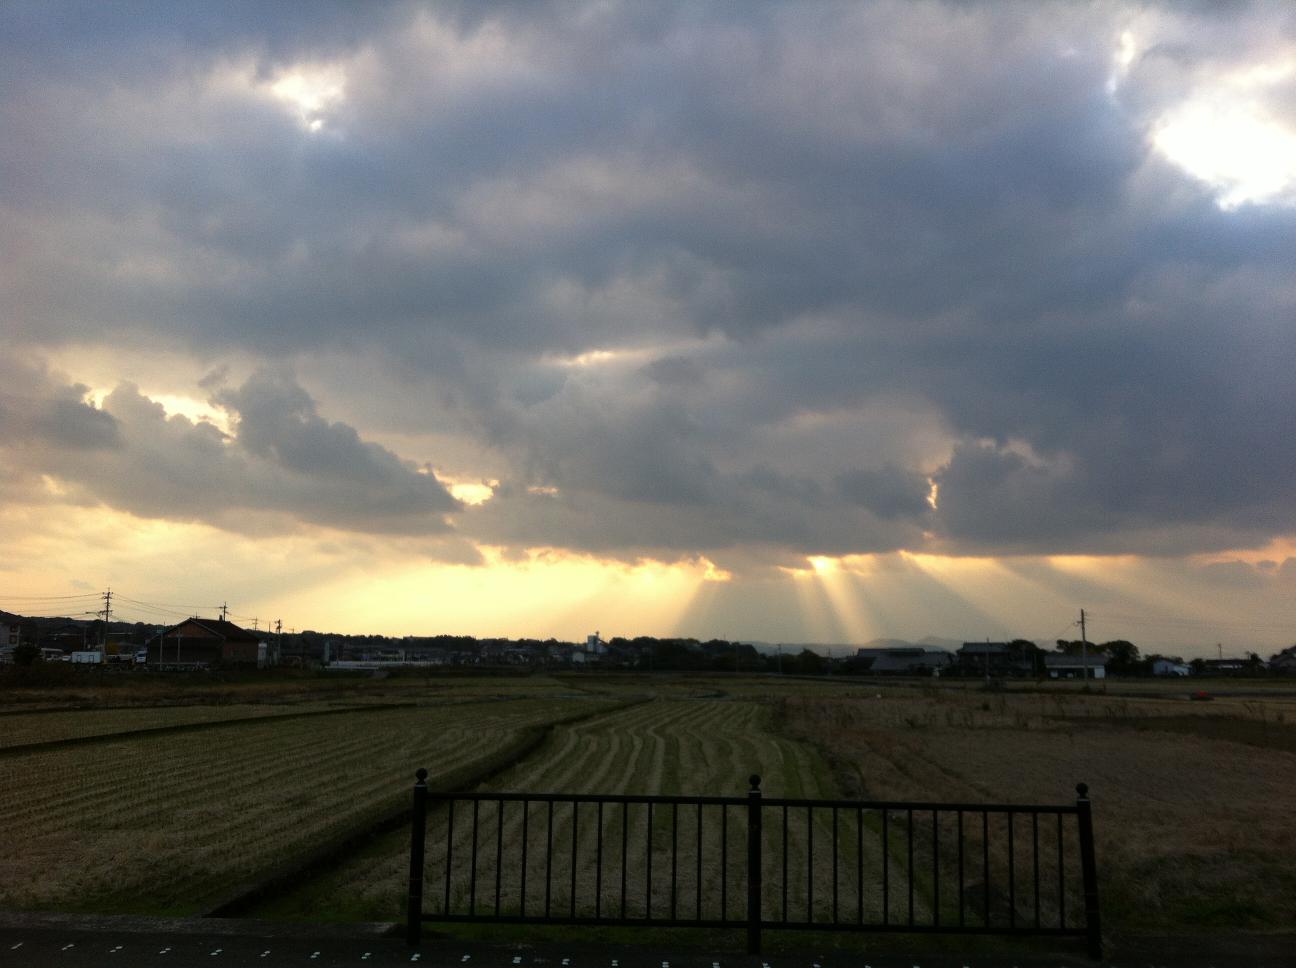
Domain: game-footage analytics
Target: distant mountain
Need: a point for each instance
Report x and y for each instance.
(842, 649)
(936, 642)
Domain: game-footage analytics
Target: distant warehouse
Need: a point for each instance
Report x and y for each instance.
(202, 642)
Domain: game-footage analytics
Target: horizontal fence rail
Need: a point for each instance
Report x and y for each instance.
(753, 863)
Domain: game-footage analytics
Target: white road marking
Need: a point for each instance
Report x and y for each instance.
(265, 953)
(414, 956)
(16, 946)
(115, 950)
(365, 956)
(164, 951)
(315, 954)
(69, 945)
(216, 952)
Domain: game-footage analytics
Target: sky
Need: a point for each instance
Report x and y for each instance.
(776, 321)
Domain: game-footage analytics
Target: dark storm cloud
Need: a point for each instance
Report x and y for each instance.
(843, 249)
(35, 410)
(282, 459)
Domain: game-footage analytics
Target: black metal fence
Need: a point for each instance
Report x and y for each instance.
(753, 863)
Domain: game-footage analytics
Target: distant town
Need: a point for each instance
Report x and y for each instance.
(204, 644)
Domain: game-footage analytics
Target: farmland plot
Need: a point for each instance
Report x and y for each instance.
(692, 866)
(1191, 831)
(171, 823)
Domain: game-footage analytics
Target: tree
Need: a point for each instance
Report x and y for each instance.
(807, 663)
(1122, 657)
(25, 654)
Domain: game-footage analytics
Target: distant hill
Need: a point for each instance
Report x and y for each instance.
(842, 649)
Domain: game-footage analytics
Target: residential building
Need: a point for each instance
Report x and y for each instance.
(206, 642)
(900, 661)
(1065, 666)
(1284, 663)
(10, 631)
(998, 659)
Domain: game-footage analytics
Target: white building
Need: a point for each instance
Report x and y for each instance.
(1169, 667)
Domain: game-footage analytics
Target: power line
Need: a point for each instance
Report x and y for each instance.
(52, 598)
(1191, 624)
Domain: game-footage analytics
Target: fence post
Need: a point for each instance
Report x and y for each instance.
(754, 866)
(418, 828)
(1089, 867)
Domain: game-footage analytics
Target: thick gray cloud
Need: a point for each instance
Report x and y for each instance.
(283, 463)
(833, 255)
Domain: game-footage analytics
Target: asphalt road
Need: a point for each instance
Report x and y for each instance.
(63, 941)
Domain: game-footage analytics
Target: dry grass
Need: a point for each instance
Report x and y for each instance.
(671, 746)
(166, 824)
(1193, 830)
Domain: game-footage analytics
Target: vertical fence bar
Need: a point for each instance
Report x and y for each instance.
(754, 866)
(499, 854)
(809, 865)
(1035, 858)
(549, 859)
(859, 863)
(985, 865)
(1089, 868)
(449, 853)
(648, 869)
(962, 922)
(909, 837)
(598, 866)
(698, 882)
(418, 827)
(834, 864)
(1061, 876)
(472, 864)
(575, 841)
(935, 869)
(674, 857)
(625, 850)
(886, 868)
(724, 862)
(785, 861)
(1012, 876)
(526, 809)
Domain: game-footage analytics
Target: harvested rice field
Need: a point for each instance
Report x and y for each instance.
(1192, 801)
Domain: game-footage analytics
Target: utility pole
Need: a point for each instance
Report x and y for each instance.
(780, 658)
(1084, 648)
(107, 614)
(224, 611)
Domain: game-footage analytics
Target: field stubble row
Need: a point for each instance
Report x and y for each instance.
(165, 824)
(1192, 831)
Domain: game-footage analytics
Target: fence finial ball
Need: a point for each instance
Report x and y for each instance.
(1082, 791)
(754, 780)
(421, 775)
